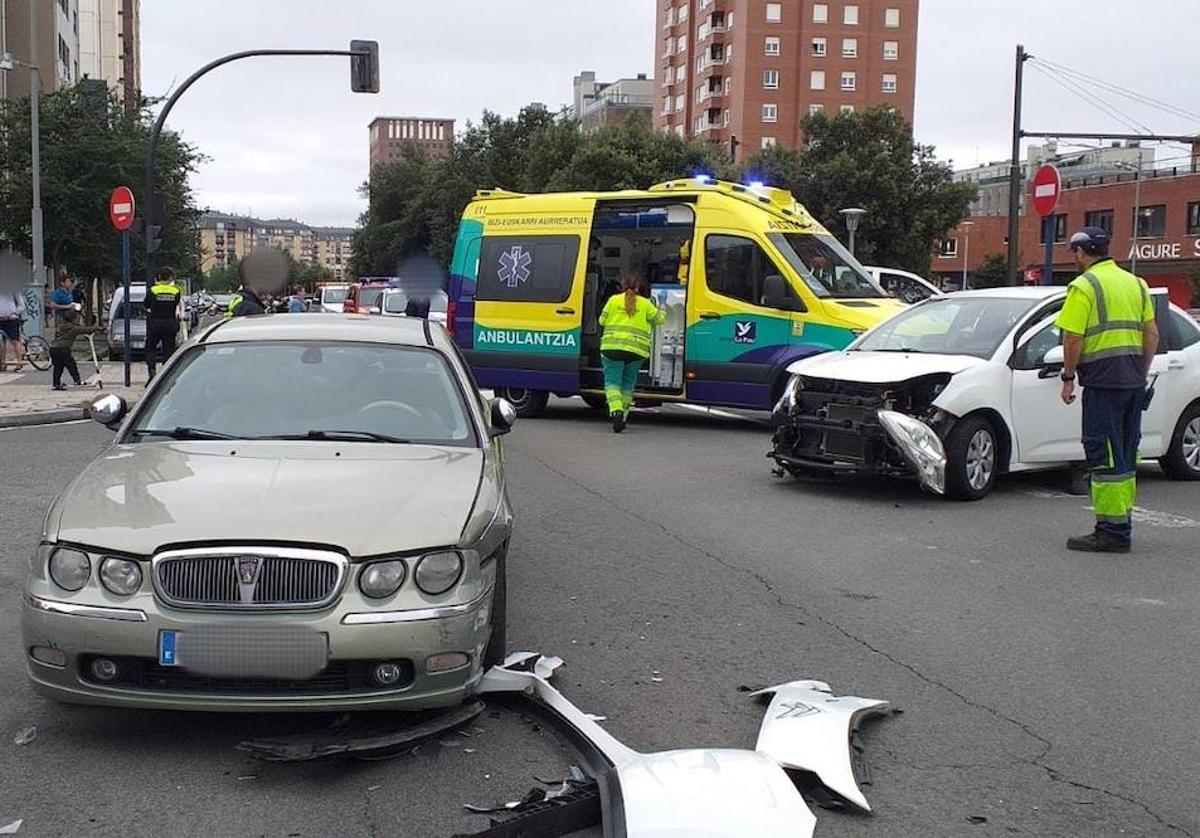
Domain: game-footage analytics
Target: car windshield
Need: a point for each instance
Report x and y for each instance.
(826, 267)
(137, 310)
(396, 302)
(308, 388)
(368, 297)
(949, 326)
(333, 295)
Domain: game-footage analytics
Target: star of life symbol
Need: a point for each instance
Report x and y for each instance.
(514, 266)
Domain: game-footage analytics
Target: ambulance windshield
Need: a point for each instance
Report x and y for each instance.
(826, 267)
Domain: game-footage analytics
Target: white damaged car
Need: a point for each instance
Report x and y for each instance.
(959, 389)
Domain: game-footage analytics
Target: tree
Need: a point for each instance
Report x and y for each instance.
(869, 160)
(991, 273)
(89, 146)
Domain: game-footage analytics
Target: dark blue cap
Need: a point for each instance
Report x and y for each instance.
(1093, 240)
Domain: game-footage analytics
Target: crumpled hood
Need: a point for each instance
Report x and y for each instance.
(364, 498)
(881, 367)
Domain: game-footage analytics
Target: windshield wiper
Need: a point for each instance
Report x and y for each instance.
(182, 432)
(341, 436)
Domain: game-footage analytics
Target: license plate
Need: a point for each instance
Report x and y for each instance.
(168, 642)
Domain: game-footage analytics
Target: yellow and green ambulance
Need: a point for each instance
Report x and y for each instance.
(750, 282)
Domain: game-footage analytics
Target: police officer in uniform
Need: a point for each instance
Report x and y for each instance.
(1109, 340)
(162, 318)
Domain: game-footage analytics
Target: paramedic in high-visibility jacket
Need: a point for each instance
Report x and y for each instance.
(1109, 340)
(628, 320)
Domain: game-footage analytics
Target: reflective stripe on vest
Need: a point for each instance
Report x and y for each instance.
(626, 339)
(1121, 335)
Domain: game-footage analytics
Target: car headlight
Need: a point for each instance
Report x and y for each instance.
(436, 573)
(121, 576)
(70, 569)
(382, 579)
(921, 446)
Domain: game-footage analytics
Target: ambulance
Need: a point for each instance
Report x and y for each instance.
(749, 281)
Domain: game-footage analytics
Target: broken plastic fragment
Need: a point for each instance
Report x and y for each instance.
(11, 828)
(807, 728)
(545, 666)
(25, 735)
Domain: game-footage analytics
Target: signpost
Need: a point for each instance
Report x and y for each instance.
(120, 215)
(1047, 187)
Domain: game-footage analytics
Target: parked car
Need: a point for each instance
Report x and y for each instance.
(137, 322)
(221, 301)
(215, 558)
(959, 389)
(394, 303)
(363, 297)
(903, 285)
(331, 297)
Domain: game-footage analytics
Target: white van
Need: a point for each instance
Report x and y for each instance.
(331, 298)
(137, 322)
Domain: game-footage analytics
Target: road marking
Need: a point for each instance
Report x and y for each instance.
(47, 425)
(1154, 518)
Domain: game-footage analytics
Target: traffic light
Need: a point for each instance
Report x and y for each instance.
(364, 66)
(155, 220)
(153, 237)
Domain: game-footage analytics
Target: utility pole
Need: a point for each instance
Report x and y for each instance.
(1014, 172)
(38, 280)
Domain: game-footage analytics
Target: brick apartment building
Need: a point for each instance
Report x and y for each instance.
(390, 134)
(1167, 241)
(225, 239)
(752, 69)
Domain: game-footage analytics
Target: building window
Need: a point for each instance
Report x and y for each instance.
(681, 44)
(819, 47)
(1193, 218)
(683, 13)
(816, 80)
(849, 80)
(1152, 221)
(1060, 229)
(947, 248)
(847, 109)
(680, 101)
(770, 113)
(771, 46)
(669, 19)
(768, 142)
(774, 12)
(849, 47)
(850, 15)
(891, 50)
(770, 79)
(815, 109)
(1099, 218)
(820, 13)
(891, 18)
(889, 82)
(668, 51)
(681, 73)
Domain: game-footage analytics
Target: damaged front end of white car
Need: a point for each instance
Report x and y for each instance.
(824, 425)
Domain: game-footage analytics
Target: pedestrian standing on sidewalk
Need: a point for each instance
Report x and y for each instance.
(69, 328)
(1109, 338)
(12, 312)
(162, 319)
(628, 320)
(63, 298)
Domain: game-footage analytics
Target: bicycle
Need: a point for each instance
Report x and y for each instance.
(34, 349)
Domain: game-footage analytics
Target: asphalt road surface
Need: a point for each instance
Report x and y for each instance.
(1044, 692)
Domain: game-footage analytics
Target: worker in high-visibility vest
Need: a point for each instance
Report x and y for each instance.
(628, 320)
(162, 319)
(1109, 340)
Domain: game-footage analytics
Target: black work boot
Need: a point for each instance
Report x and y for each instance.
(1098, 542)
(618, 422)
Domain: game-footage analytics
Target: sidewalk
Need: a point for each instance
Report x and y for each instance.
(26, 397)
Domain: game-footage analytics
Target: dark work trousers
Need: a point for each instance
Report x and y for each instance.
(1112, 430)
(159, 333)
(62, 359)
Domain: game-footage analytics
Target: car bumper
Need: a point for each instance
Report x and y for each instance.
(129, 636)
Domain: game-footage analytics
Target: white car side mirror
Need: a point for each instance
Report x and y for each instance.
(1053, 357)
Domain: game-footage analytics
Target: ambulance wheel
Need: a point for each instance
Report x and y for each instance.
(595, 402)
(1182, 460)
(528, 403)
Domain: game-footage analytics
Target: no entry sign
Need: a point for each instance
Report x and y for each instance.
(1047, 186)
(120, 208)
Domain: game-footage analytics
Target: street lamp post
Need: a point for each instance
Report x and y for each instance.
(37, 282)
(853, 215)
(1137, 207)
(966, 225)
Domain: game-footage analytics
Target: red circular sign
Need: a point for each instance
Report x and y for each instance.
(1047, 186)
(120, 208)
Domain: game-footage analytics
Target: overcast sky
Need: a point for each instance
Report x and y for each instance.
(286, 137)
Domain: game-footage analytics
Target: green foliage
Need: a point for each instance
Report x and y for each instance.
(222, 279)
(992, 272)
(89, 146)
(869, 159)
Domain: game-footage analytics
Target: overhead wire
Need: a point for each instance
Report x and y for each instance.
(1094, 100)
(1125, 92)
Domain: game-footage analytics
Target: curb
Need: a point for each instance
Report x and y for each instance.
(43, 417)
